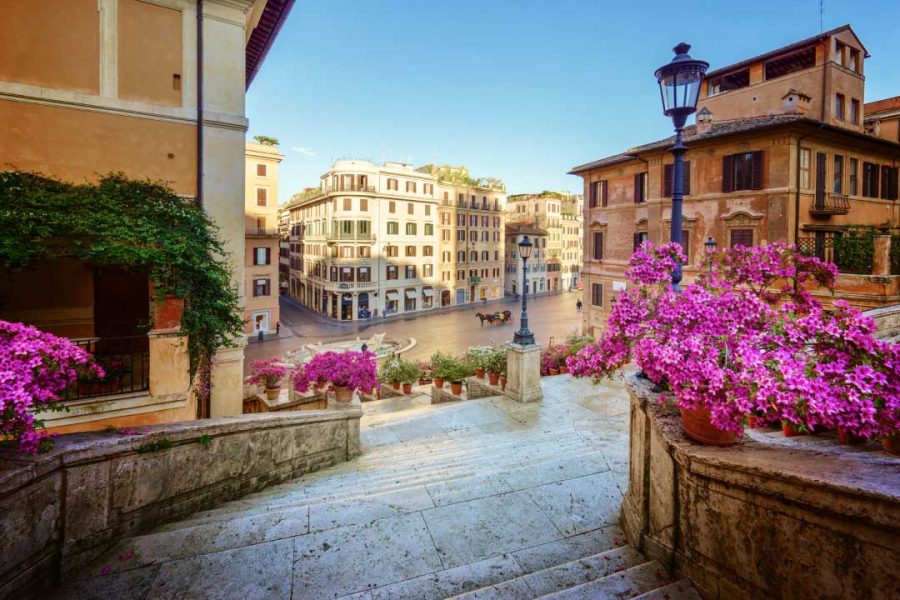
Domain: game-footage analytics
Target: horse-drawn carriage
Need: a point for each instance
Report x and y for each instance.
(495, 318)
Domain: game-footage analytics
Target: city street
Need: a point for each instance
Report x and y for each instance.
(553, 316)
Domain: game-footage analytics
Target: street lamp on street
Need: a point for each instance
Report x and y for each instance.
(710, 248)
(523, 336)
(679, 88)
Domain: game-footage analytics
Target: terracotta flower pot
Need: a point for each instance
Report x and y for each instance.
(342, 393)
(754, 422)
(272, 392)
(493, 378)
(554, 371)
(395, 385)
(847, 438)
(892, 444)
(407, 388)
(790, 429)
(456, 387)
(698, 426)
(479, 373)
(503, 383)
(438, 383)
(563, 369)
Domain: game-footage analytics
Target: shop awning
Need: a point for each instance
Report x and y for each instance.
(428, 292)
(393, 296)
(411, 294)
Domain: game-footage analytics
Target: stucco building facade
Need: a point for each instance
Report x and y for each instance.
(89, 87)
(535, 280)
(779, 153)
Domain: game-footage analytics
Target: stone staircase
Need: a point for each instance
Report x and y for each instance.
(479, 499)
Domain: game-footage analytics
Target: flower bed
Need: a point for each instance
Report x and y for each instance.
(748, 339)
(349, 370)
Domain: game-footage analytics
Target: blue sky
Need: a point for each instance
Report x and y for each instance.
(521, 90)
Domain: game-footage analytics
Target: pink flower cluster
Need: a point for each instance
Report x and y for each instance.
(267, 372)
(352, 369)
(748, 339)
(35, 368)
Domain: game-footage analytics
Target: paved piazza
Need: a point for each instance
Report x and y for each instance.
(451, 331)
(485, 498)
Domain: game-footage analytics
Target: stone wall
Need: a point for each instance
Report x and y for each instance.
(61, 509)
(772, 517)
(887, 320)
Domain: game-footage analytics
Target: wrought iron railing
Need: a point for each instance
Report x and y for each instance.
(126, 361)
(830, 204)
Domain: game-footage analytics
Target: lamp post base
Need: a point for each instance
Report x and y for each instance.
(523, 372)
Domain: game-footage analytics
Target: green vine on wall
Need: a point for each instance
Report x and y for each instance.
(133, 225)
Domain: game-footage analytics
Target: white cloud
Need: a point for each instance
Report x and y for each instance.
(306, 151)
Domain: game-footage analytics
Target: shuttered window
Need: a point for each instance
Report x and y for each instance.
(596, 294)
(598, 245)
(742, 171)
(889, 183)
(870, 180)
(598, 194)
(640, 187)
(639, 238)
(741, 237)
(668, 171)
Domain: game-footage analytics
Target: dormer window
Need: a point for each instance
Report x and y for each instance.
(729, 81)
(790, 63)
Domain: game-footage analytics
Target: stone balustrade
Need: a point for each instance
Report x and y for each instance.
(772, 517)
(60, 510)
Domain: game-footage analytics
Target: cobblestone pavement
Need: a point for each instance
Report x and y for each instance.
(455, 330)
(484, 498)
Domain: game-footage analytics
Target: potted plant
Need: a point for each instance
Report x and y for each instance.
(425, 373)
(549, 362)
(268, 372)
(496, 364)
(102, 375)
(748, 338)
(562, 353)
(438, 368)
(456, 372)
(478, 357)
(347, 371)
(389, 371)
(407, 373)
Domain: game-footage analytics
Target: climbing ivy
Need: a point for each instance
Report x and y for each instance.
(133, 225)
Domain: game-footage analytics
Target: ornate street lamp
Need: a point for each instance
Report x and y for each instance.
(523, 336)
(679, 87)
(710, 248)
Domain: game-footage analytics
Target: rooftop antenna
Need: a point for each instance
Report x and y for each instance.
(821, 16)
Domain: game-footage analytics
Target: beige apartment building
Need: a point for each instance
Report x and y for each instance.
(378, 240)
(537, 269)
(782, 150)
(262, 246)
(560, 216)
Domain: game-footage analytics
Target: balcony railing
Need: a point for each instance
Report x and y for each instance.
(350, 187)
(267, 231)
(352, 285)
(826, 205)
(126, 362)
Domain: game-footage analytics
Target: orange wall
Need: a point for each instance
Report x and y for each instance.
(78, 145)
(147, 63)
(51, 43)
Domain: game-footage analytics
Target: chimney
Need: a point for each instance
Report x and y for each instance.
(704, 121)
(795, 102)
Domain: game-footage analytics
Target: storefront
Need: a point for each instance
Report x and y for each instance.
(391, 302)
(363, 306)
(346, 307)
(409, 300)
(427, 297)
(446, 297)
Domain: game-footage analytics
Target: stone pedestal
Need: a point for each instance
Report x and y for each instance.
(523, 372)
(170, 362)
(227, 382)
(881, 259)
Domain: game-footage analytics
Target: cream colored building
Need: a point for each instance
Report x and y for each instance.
(262, 238)
(376, 240)
(560, 216)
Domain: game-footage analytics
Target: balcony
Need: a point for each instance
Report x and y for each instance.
(263, 232)
(829, 204)
(349, 187)
(351, 285)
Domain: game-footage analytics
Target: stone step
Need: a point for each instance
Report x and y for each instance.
(630, 583)
(561, 576)
(682, 589)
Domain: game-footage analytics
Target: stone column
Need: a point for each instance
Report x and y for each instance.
(170, 362)
(523, 372)
(881, 261)
(227, 381)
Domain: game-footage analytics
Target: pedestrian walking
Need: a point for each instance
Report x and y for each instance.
(578, 305)
(277, 327)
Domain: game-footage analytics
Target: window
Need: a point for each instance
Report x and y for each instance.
(686, 244)
(393, 228)
(410, 271)
(363, 204)
(839, 107)
(598, 195)
(346, 251)
(346, 228)
(729, 81)
(596, 294)
(260, 170)
(260, 196)
(427, 270)
(409, 251)
(461, 256)
(391, 251)
(392, 207)
(639, 238)
(347, 273)
(790, 63)
(262, 256)
(428, 188)
(854, 111)
(805, 155)
(427, 250)
(870, 180)
(391, 272)
(261, 287)
(852, 175)
(363, 274)
(429, 229)
(854, 61)
(741, 237)
(742, 171)
(411, 186)
(348, 204)
(640, 187)
(410, 229)
(485, 256)
(838, 185)
(410, 208)
(668, 170)
(392, 185)
(889, 183)
(840, 53)
(427, 210)
(365, 252)
(363, 228)
(460, 275)
(598, 245)
(460, 235)
(473, 256)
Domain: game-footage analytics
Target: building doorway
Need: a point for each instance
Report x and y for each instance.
(346, 307)
(445, 298)
(363, 306)
(460, 296)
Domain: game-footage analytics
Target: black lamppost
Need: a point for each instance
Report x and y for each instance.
(710, 248)
(679, 87)
(523, 336)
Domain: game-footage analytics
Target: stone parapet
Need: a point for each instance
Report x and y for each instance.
(61, 509)
(772, 517)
